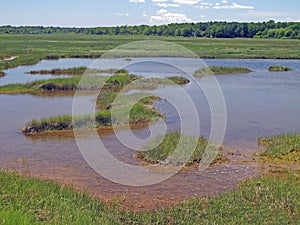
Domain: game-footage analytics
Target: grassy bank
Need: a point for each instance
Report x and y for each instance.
(272, 199)
(30, 49)
(279, 69)
(281, 149)
(170, 143)
(220, 70)
(54, 85)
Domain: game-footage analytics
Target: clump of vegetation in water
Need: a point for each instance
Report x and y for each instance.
(52, 85)
(75, 71)
(281, 148)
(279, 69)
(179, 80)
(2, 74)
(170, 143)
(271, 199)
(139, 114)
(220, 70)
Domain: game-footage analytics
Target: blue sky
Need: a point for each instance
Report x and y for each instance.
(90, 13)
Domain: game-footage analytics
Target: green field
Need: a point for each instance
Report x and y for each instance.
(32, 48)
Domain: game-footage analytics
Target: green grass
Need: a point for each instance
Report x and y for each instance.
(57, 84)
(272, 199)
(170, 143)
(139, 114)
(220, 70)
(279, 69)
(75, 71)
(32, 48)
(179, 80)
(281, 148)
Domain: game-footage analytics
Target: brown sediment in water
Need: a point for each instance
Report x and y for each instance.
(187, 184)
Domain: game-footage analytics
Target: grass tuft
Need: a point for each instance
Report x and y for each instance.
(181, 157)
(279, 69)
(220, 70)
(281, 148)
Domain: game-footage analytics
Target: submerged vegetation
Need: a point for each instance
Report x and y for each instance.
(181, 156)
(279, 69)
(220, 70)
(272, 199)
(76, 71)
(282, 148)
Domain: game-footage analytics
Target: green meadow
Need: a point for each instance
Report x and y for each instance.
(30, 49)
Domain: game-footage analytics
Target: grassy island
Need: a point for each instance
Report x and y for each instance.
(75, 71)
(279, 69)
(141, 113)
(160, 153)
(220, 70)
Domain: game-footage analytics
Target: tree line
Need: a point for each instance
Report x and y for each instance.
(270, 29)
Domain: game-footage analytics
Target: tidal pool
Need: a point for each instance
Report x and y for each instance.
(260, 103)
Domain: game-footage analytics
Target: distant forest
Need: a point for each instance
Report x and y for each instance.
(270, 29)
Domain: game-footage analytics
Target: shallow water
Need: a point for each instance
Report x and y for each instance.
(258, 104)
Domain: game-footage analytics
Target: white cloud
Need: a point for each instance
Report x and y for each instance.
(165, 5)
(164, 17)
(159, 1)
(137, 1)
(161, 12)
(187, 2)
(232, 6)
(122, 14)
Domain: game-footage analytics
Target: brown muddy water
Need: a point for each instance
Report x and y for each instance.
(258, 104)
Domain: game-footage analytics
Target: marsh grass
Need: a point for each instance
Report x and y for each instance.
(272, 199)
(279, 69)
(75, 71)
(139, 114)
(55, 46)
(52, 85)
(181, 157)
(281, 148)
(220, 70)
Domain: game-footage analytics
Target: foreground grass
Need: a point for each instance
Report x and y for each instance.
(219, 70)
(279, 69)
(273, 199)
(170, 143)
(281, 149)
(30, 49)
